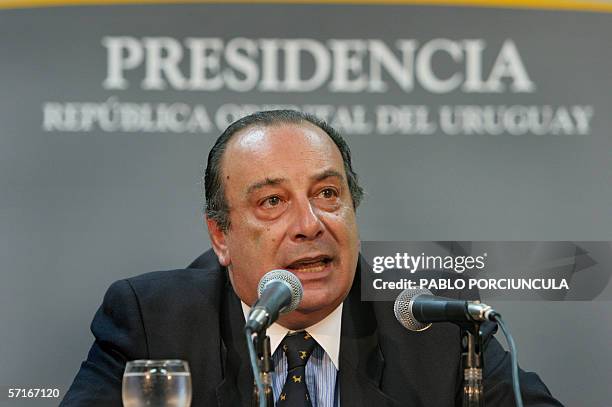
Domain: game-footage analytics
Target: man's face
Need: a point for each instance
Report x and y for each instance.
(290, 208)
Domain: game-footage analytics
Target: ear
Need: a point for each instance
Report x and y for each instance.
(219, 242)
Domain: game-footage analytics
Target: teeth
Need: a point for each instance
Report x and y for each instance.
(310, 267)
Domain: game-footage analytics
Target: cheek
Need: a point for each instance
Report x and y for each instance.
(344, 223)
(262, 233)
(247, 232)
(253, 242)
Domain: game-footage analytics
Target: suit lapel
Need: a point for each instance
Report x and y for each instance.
(237, 385)
(361, 360)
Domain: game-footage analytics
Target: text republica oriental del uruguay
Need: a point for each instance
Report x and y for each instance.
(272, 66)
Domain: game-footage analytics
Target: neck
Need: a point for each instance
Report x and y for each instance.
(298, 320)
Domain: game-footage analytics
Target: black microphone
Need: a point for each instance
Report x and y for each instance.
(416, 309)
(280, 291)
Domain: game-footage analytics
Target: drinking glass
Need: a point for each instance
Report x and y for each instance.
(156, 383)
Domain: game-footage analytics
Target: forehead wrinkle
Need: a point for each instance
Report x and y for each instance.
(257, 142)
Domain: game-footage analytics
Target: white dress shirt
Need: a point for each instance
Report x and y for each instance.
(322, 366)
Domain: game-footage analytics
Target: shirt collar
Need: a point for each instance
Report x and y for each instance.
(326, 332)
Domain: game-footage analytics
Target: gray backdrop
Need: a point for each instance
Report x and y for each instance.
(83, 206)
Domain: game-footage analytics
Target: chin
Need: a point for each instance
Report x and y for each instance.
(317, 301)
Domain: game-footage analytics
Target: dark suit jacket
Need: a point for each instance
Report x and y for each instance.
(193, 314)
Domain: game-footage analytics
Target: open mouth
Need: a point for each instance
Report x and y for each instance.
(310, 264)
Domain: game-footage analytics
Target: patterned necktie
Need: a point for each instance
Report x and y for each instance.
(297, 347)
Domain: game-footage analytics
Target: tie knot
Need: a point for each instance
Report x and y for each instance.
(298, 347)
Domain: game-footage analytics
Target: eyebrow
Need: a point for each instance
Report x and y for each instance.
(267, 182)
(277, 181)
(328, 174)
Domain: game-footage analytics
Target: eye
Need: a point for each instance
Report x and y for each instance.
(270, 202)
(328, 193)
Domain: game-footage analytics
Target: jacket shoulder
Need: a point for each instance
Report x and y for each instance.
(204, 276)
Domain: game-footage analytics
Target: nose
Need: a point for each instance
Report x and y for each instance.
(306, 223)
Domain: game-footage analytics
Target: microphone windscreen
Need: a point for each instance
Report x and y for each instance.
(292, 282)
(403, 309)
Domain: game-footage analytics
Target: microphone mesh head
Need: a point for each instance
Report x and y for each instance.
(403, 309)
(292, 282)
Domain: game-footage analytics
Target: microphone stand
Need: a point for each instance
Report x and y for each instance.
(264, 361)
(473, 365)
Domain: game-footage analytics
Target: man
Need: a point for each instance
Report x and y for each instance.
(281, 194)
